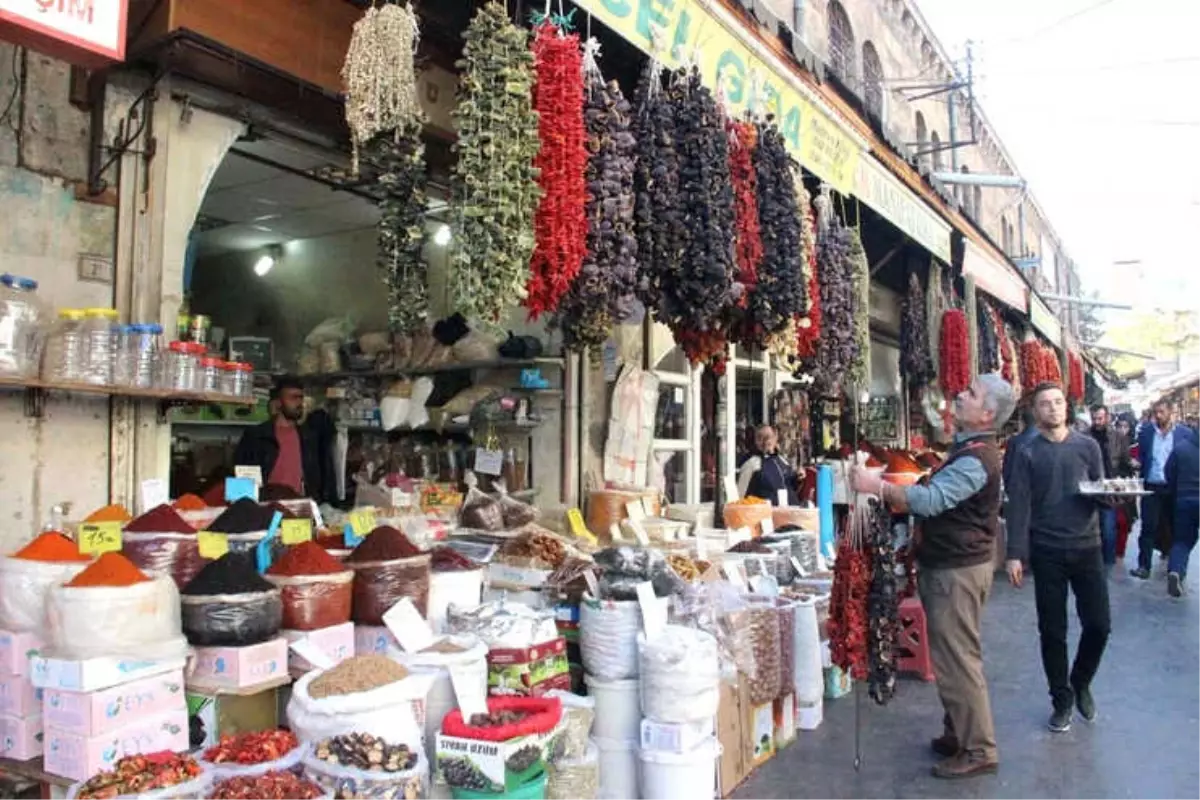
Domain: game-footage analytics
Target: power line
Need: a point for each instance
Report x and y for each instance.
(1098, 4)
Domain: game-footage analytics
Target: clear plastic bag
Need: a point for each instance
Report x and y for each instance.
(348, 782)
(578, 714)
(481, 512)
(513, 511)
(289, 762)
(232, 620)
(717, 608)
(574, 778)
(608, 633)
(680, 675)
(762, 621)
(379, 585)
(312, 602)
(195, 789)
(24, 586)
(787, 644)
(176, 555)
(626, 567)
(141, 620)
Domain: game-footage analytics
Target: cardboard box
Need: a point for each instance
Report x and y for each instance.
(19, 697)
(94, 713)
(16, 651)
(373, 640)
(239, 667)
(785, 720)
(809, 718)
(731, 721)
(80, 757)
(335, 642)
(762, 734)
(503, 765)
(676, 737)
(91, 674)
(211, 716)
(21, 737)
(530, 671)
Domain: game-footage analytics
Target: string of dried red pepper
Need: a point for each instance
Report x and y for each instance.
(748, 246)
(1075, 389)
(848, 619)
(808, 327)
(560, 229)
(1003, 344)
(955, 352)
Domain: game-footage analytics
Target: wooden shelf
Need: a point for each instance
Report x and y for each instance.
(464, 366)
(35, 391)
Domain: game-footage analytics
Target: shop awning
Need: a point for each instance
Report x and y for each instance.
(997, 278)
(1044, 321)
(880, 190)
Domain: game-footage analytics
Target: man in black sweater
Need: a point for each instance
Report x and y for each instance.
(1055, 526)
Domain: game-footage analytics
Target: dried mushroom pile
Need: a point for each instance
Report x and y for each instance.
(494, 189)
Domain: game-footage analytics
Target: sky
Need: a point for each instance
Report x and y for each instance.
(1098, 104)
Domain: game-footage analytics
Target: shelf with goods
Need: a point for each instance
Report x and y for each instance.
(324, 378)
(35, 390)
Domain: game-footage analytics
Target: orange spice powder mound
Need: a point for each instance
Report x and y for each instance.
(110, 569)
(51, 546)
(111, 513)
(190, 502)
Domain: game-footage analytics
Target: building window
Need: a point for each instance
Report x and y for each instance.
(922, 142)
(872, 81)
(977, 203)
(841, 43)
(935, 144)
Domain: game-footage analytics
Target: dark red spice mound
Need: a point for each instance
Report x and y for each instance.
(447, 559)
(160, 519)
(384, 544)
(306, 558)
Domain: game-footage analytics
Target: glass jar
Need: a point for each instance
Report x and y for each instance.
(209, 376)
(241, 379)
(123, 355)
(181, 367)
(146, 345)
(23, 322)
(100, 333)
(63, 360)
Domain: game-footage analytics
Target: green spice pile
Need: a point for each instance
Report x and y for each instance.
(366, 752)
(494, 185)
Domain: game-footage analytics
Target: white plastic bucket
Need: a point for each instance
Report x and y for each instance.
(618, 769)
(463, 588)
(618, 709)
(680, 776)
(807, 675)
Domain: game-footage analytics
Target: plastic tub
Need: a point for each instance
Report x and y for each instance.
(680, 776)
(618, 708)
(534, 790)
(231, 620)
(463, 588)
(618, 769)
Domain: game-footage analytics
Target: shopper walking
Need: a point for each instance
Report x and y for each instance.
(959, 511)
(1104, 435)
(1156, 442)
(1055, 527)
(1124, 467)
(1183, 479)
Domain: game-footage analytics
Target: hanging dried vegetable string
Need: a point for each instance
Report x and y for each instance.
(808, 327)
(379, 76)
(971, 309)
(916, 363)
(1031, 364)
(1051, 365)
(860, 364)
(955, 354)
(602, 293)
(848, 603)
(658, 213)
(561, 225)
(778, 298)
(883, 608)
(1004, 351)
(748, 245)
(935, 308)
(989, 345)
(1075, 382)
(836, 348)
(494, 183)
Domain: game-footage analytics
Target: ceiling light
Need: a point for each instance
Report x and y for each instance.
(442, 237)
(263, 265)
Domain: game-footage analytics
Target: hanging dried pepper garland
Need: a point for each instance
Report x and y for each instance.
(971, 309)
(808, 327)
(848, 624)
(1031, 364)
(1050, 364)
(916, 364)
(494, 183)
(778, 297)
(1003, 345)
(935, 309)
(658, 213)
(955, 353)
(883, 608)
(561, 226)
(748, 246)
(989, 344)
(602, 293)
(1075, 383)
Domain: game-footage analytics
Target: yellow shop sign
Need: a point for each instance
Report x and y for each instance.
(748, 75)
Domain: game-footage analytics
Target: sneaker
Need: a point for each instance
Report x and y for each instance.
(1085, 703)
(1060, 720)
(1141, 573)
(965, 765)
(945, 745)
(1174, 584)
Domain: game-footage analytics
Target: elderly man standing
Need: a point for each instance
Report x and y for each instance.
(959, 508)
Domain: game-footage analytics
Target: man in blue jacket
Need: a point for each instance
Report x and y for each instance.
(1155, 444)
(1183, 478)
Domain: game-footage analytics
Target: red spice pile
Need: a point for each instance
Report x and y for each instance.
(306, 558)
(384, 544)
(160, 519)
(447, 559)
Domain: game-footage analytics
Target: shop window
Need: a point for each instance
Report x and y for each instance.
(872, 80)
(841, 43)
(922, 141)
(935, 144)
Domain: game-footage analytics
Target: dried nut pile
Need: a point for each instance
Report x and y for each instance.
(764, 635)
(536, 546)
(357, 674)
(497, 718)
(366, 752)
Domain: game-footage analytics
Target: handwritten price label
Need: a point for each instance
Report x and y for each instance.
(362, 520)
(99, 537)
(295, 531)
(212, 545)
(578, 526)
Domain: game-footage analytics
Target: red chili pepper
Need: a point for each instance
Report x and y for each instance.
(955, 350)
(257, 747)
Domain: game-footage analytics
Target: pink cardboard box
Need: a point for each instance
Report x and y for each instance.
(335, 642)
(80, 757)
(239, 667)
(20, 739)
(19, 697)
(93, 713)
(373, 640)
(15, 651)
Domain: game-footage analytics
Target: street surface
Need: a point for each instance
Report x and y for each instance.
(1144, 744)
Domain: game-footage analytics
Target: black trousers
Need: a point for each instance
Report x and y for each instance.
(1083, 572)
(1157, 510)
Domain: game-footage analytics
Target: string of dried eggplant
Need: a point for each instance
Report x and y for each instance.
(883, 608)
(916, 362)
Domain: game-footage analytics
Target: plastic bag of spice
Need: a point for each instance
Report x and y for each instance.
(176, 555)
(232, 620)
(385, 711)
(140, 620)
(312, 602)
(379, 585)
(24, 585)
(481, 512)
(340, 780)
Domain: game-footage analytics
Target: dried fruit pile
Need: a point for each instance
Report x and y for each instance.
(955, 347)
(366, 752)
(494, 185)
(495, 719)
(560, 231)
(274, 785)
(135, 775)
(916, 363)
(257, 747)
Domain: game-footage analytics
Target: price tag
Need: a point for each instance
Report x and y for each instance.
(262, 550)
(800, 570)
(654, 613)
(253, 472)
(212, 545)
(733, 571)
(237, 488)
(578, 526)
(488, 462)
(768, 526)
(314, 655)
(782, 498)
(471, 696)
(362, 520)
(635, 509)
(295, 531)
(731, 489)
(154, 493)
(411, 630)
(99, 537)
(640, 532)
(589, 578)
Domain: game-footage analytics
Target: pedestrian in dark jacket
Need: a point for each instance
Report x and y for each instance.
(1103, 433)
(286, 449)
(1156, 442)
(1183, 477)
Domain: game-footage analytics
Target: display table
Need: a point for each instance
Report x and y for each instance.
(52, 786)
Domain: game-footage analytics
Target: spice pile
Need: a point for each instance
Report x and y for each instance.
(366, 752)
(232, 573)
(51, 546)
(274, 785)
(306, 558)
(110, 569)
(356, 674)
(257, 747)
(385, 543)
(444, 646)
(447, 559)
(495, 719)
(244, 516)
(109, 513)
(160, 519)
(136, 775)
(189, 502)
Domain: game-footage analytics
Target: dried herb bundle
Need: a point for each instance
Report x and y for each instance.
(398, 159)
(561, 226)
(494, 180)
(603, 291)
(916, 364)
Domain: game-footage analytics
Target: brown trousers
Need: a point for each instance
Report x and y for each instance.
(953, 601)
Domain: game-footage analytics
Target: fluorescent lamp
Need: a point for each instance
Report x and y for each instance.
(442, 237)
(263, 265)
